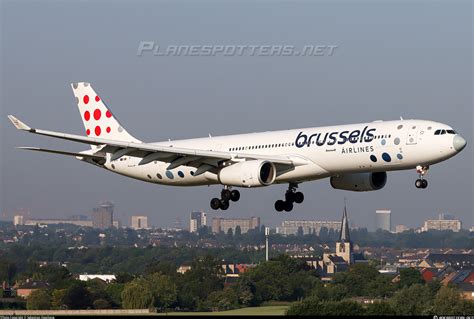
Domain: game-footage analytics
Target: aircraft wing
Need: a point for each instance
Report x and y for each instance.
(85, 155)
(176, 156)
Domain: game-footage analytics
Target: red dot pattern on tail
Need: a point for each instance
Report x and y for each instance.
(97, 119)
(97, 114)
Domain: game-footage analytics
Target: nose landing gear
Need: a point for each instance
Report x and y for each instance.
(291, 197)
(227, 195)
(422, 171)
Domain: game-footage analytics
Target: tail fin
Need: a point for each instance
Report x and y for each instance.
(97, 118)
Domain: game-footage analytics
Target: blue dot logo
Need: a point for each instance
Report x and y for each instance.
(386, 157)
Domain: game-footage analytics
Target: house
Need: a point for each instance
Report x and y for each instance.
(467, 290)
(457, 261)
(25, 289)
(105, 278)
(428, 274)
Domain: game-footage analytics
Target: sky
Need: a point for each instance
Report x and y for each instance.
(393, 58)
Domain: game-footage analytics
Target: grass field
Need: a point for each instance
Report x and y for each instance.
(251, 311)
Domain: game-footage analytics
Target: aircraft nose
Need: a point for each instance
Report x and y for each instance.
(459, 143)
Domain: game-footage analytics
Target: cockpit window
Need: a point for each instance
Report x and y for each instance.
(443, 132)
(451, 131)
(437, 132)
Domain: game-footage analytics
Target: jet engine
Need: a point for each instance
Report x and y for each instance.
(248, 174)
(359, 182)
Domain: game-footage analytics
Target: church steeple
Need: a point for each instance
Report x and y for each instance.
(344, 235)
(344, 244)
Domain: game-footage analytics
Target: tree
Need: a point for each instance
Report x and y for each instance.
(448, 302)
(280, 279)
(77, 296)
(221, 300)
(230, 234)
(39, 299)
(246, 292)
(137, 295)
(206, 275)
(358, 280)
(410, 276)
(123, 277)
(7, 271)
(57, 299)
(413, 300)
(238, 232)
(101, 304)
(300, 232)
(163, 289)
(114, 291)
(314, 307)
(380, 309)
(164, 267)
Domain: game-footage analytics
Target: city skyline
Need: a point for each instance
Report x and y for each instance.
(382, 69)
(288, 223)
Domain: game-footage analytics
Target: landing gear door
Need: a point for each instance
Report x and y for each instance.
(412, 135)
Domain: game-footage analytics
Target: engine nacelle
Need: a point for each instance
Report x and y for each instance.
(360, 182)
(248, 174)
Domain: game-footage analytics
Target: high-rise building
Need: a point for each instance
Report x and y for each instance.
(140, 222)
(442, 224)
(223, 224)
(102, 216)
(446, 216)
(401, 228)
(383, 219)
(197, 219)
(290, 227)
(18, 220)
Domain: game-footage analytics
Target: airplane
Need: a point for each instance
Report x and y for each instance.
(355, 157)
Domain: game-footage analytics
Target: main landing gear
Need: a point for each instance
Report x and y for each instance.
(422, 171)
(291, 197)
(227, 195)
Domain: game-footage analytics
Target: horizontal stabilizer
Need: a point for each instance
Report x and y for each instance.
(63, 152)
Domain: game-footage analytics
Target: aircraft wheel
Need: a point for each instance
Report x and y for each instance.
(225, 194)
(279, 205)
(290, 197)
(424, 183)
(418, 183)
(224, 204)
(288, 206)
(299, 197)
(215, 203)
(234, 195)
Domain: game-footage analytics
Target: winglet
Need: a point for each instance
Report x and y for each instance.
(19, 124)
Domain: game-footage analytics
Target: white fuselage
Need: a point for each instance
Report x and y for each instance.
(326, 151)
